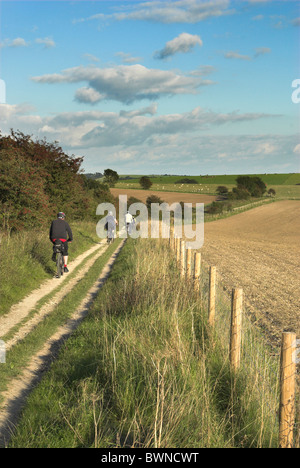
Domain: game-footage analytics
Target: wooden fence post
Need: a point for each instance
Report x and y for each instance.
(197, 269)
(287, 390)
(178, 241)
(212, 295)
(183, 258)
(189, 262)
(236, 328)
(171, 240)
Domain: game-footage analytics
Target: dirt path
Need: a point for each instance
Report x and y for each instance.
(49, 306)
(19, 311)
(258, 250)
(19, 389)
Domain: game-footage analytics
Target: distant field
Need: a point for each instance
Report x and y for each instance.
(168, 197)
(269, 179)
(203, 189)
(283, 191)
(286, 186)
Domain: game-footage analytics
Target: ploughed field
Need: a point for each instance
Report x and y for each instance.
(259, 251)
(168, 197)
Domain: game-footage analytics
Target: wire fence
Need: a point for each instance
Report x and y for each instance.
(273, 368)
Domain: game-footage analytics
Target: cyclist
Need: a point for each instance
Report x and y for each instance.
(129, 222)
(60, 232)
(111, 223)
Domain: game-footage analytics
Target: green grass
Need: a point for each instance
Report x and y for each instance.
(226, 179)
(145, 370)
(26, 260)
(283, 191)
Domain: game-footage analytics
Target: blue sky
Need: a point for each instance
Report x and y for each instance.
(178, 87)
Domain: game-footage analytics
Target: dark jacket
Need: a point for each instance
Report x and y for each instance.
(60, 229)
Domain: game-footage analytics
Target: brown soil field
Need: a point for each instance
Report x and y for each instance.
(168, 197)
(258, 250)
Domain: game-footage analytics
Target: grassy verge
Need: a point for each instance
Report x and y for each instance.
(26, 260)
(145, 370)
(238, 206)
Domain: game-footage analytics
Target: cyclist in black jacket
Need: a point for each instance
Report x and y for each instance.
(60, 231)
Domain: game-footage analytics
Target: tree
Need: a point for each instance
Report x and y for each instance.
(186, 180)
(110, 177)
(253, 184)
(215, 208)
(23, 200)
(240, 193)
(153, 199)
(37, 180)
(222, 190)
(271, 192)
(145, 182)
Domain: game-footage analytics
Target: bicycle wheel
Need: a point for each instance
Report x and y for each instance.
(59, 264)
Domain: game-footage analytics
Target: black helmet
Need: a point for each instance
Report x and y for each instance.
(61, 215)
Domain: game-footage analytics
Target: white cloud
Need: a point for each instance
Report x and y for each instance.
(262, 51)
(14, 43)
(236, 55)
(150, 110)
(127, 58)
(265, 148)
(88, 129)
(167, 12)
(203, 70)
(47, 42)
(88, 95)
(181, 44)
(139, 127)
(196, 154)
(174, 143)
(258, 18)
(128, 83)
(9, 112)
(19, 117)
(91, 58)
(18, 42)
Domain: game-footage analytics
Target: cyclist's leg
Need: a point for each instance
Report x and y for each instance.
(66, 253)
(109, 234)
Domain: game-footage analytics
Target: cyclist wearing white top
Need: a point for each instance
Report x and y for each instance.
(128, 220)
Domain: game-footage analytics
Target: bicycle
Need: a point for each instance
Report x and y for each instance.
(59, 253)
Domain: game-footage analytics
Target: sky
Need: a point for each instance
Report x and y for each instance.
(187, 87)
